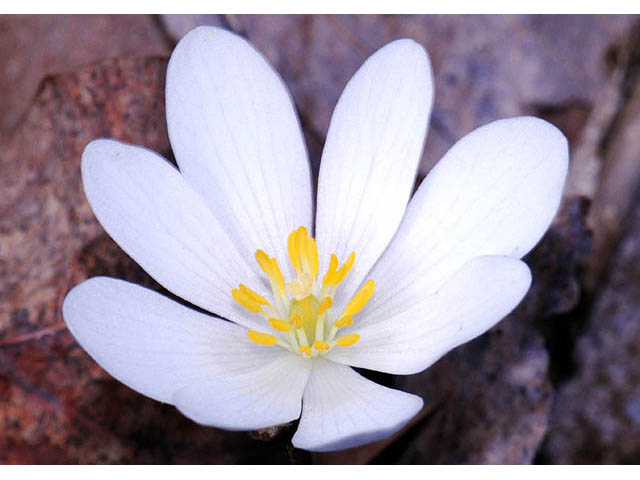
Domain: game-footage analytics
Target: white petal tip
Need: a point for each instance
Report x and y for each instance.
(407, 52)
(540, 131)
(95, 148)
(101, 151)
(407, 45)
(208, 37)
(69, 304)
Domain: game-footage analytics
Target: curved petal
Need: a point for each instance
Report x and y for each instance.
(268, 394)
(237, 140)
(342, 409)
(371, 156)
(163, 349)
(494, 193)
(405, 340)
(146, 206)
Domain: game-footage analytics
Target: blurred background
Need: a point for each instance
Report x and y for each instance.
(558, 381)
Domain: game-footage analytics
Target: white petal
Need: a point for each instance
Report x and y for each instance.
(148, 208)
(407, 339)
(494, 193)
(341, 409)
(268, 394)
(237, 139)
(371, 156)
(177, 355)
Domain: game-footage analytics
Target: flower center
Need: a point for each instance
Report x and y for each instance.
(300, 313)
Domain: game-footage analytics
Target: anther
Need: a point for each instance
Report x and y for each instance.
(262, 338)
(325, 305)
(279, 325)
(347, 340)
(329, 277)
(360, 299)
(305, 349)
(254, 296)
(345, 268)
(342, 322)
(319, 345)
(246, 301)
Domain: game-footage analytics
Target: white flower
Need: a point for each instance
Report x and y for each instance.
(227, 226)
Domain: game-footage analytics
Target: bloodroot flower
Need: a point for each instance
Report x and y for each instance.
(380, 282)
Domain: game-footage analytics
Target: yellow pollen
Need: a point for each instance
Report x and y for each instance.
(345, 268)
(335, 275)
(301, 245)
(303, 252)
(279, 325)
(270, 267)
(360, 299)
(300, 309)
(348, 340)
(277, 275)
(293, 251)
(246, 301)
(309, 251)
(262, 338)
(305, 349)
(264, 261)
(345, 321)
(318, 345)
(325, 305)
(255, 297)
(331, 271)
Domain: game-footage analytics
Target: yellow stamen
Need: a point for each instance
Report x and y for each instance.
(264, 261)
(262, 338)
(294, 256)
(345, 268)
(300, 307)
(305, 349)
(318, 345)
(278, 279)
(345, 321)
(336, 275)
(301, 245)
(312, 254)
(303, 252)
(360, 299)
(254, 296)
(279, 325)
(271, 268)
(331, 271)
(246, 301)
(348, 340)
(325, 305)
(296, 320)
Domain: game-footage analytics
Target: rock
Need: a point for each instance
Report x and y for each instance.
(177, 26)
(33, 46)
(596, 414)
(616, 195)
(45, 220)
